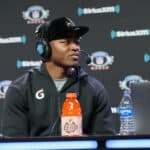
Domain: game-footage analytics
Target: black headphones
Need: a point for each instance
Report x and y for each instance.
(43, 48)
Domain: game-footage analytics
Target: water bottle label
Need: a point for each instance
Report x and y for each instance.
(126, 112)
(71, 126)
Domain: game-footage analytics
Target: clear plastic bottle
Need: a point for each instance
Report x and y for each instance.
(127, 120)
(71, 118)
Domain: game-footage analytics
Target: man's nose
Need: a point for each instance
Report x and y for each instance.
(74, 46)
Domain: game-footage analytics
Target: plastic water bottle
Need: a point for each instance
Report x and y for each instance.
(127, 120)
(71, 118)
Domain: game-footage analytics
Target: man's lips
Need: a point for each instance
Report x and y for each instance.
(75, 55)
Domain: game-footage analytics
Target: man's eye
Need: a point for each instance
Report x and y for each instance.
(78, 41)
(63, 41)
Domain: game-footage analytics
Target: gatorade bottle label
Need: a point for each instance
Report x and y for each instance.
(71, 126)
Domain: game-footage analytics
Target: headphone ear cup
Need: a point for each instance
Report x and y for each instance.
(43, 49)
(42, 45)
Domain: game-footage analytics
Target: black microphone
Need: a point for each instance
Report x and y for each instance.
(88, 60)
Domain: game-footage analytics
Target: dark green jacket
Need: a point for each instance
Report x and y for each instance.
(33, 105)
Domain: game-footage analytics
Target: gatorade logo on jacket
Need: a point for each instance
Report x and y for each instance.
(40, 94)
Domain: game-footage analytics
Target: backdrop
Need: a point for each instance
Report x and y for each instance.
(118, 40)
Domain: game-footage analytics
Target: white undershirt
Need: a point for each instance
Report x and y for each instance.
(60, 83)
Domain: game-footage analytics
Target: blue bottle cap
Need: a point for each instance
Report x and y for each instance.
(126, 93)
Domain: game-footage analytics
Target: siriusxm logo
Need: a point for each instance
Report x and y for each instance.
(100, 61)
(8, 40)
(108, 9)
(3, 88)
(146, 58)
(134, 33)
(21, 64)
(35, 14)
(125, 84)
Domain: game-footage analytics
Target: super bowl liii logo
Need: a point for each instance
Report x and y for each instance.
(3, 88)
(35, 14)
(101, 60)
(130, 79)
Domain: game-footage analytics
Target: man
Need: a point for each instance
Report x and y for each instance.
(34, 101)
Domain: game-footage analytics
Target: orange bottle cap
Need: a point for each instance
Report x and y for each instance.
(71, 95)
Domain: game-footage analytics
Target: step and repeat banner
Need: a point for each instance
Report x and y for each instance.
(118, 41)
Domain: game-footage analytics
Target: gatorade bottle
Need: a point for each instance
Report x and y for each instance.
(71, 118)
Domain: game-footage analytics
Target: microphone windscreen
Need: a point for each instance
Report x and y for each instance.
(88, 60)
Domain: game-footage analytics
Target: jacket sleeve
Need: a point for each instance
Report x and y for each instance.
(102, 121)
(14, 122)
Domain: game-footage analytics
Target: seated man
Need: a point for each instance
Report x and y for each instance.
(34, 101)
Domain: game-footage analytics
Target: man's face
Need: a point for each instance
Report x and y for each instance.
(65, 52)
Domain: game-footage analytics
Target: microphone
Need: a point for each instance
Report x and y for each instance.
(88, 60)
